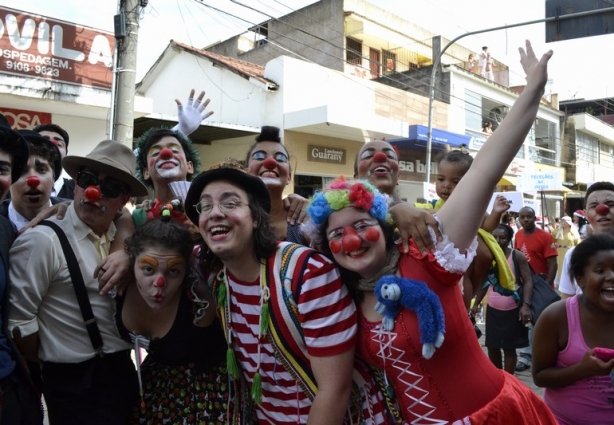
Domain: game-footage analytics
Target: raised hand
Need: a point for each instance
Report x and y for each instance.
(500, 205)
(192, 114)
(535, 70)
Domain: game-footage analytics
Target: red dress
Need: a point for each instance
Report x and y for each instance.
(459, 383)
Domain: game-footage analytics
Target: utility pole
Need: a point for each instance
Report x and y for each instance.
(126, 34)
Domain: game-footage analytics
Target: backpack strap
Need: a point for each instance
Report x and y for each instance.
(79, 286)
(285, 272)
(517, 274)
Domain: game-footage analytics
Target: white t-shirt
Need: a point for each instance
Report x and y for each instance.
(567, 284)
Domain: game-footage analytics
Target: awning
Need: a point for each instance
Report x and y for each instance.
(507, 181)
(440, 139)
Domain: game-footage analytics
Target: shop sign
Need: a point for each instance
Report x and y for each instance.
(533, 182)
(25, 120)
(54, 50)
(416, 166)
(326, 154)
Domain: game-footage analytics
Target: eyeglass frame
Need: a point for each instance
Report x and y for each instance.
(220, 205)
(102, 183)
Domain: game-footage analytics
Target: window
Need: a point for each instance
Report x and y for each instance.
(587, 148)
(545, 142)
(473, 111)
(606, 155)
(389, 63)
(353, 52)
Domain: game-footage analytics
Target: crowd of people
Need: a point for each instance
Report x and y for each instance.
(349, 307)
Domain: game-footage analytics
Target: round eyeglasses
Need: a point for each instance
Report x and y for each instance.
(226, 207)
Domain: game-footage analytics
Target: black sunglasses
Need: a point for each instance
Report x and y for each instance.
(109, 188)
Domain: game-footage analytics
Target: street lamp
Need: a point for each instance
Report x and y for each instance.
(436, 62)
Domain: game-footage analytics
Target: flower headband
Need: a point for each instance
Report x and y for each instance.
(342, 193)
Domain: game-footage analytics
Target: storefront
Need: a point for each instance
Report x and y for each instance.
(412, 151)
(316, 160)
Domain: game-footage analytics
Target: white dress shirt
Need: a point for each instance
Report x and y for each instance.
(42, 298)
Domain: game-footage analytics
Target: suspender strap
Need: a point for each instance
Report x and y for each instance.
(79, 286)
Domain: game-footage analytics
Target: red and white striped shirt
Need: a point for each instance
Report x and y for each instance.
(327, 317)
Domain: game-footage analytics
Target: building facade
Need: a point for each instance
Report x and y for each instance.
(59, 72)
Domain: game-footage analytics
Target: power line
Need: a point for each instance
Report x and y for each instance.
(484, 110)
(480, 107)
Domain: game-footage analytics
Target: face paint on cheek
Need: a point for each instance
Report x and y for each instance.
(151, 162)
(335, 246)
(372, 234)
(363, 166)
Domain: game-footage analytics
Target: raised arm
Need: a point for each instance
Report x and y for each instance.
(462, 214)
(192, 113)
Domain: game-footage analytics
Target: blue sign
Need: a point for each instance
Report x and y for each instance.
(418, 138)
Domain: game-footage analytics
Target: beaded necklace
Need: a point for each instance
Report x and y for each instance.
(223, 299)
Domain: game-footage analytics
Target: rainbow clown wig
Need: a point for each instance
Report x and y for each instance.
(342, 193)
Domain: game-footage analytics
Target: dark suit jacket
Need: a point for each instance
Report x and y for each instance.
(68, 189)
(4, 206)
(29, 396)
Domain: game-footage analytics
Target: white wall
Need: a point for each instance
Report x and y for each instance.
(349, 101)
(234, 99)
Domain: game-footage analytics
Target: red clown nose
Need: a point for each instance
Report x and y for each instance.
(160, 283)
(33, 181)
(166, 154)
(602, 209)
(351, 241)
(92, 193)
(380, 157)
(269, 163)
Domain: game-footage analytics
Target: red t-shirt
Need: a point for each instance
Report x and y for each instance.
(537, 247)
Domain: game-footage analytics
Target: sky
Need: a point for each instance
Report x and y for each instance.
(580, 68)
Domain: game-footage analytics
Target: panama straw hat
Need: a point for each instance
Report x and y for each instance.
(112, 158)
